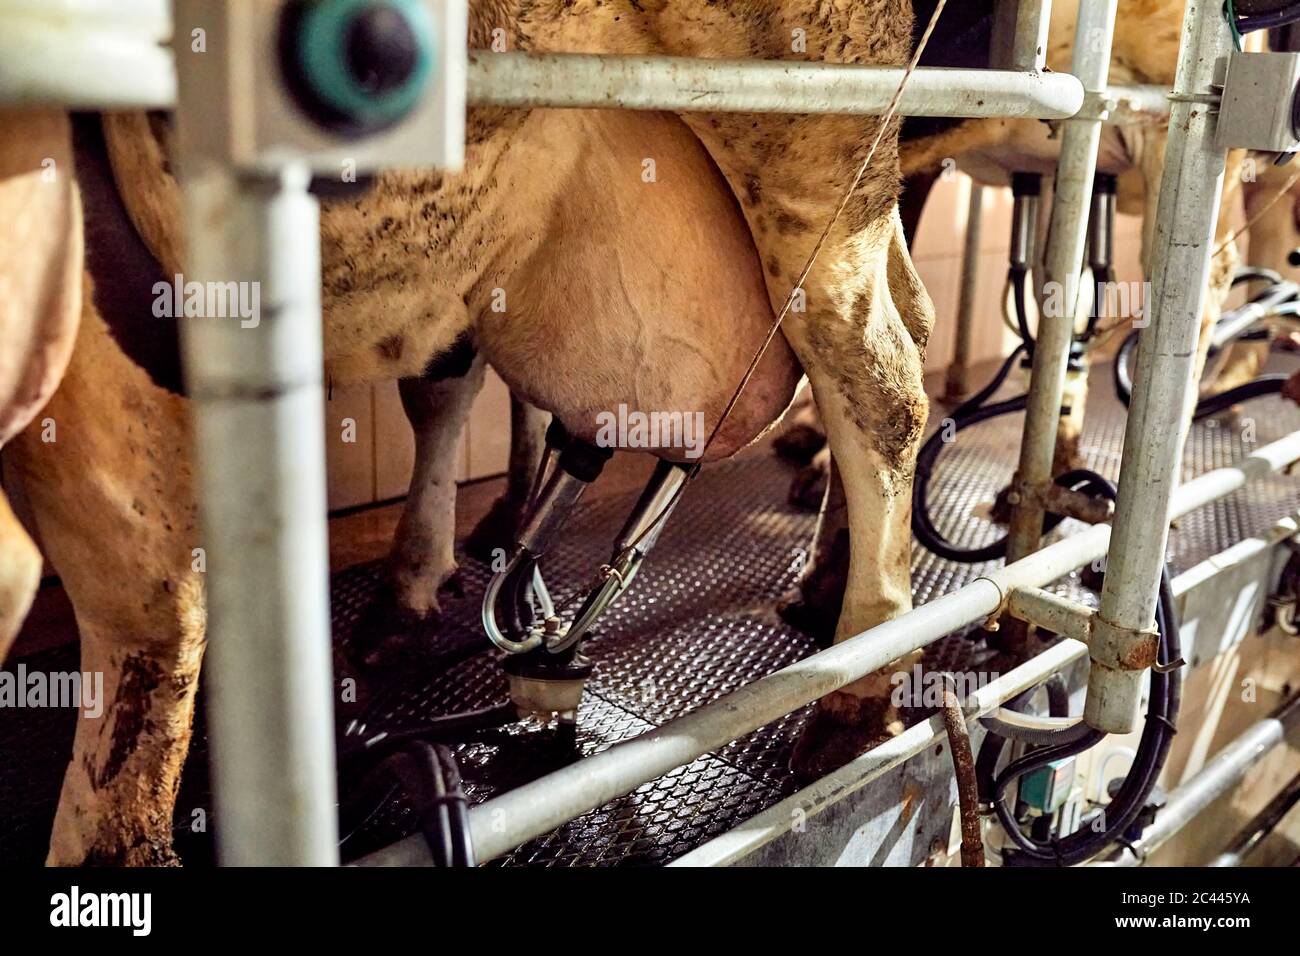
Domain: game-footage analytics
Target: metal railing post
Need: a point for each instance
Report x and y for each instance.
(1124, 642)
(1071, 197)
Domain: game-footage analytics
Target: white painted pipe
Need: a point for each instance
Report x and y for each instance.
(86, 54)
(1164, 389)
(256, 400)
(503, 823)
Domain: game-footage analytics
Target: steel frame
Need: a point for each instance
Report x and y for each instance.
(280, 797)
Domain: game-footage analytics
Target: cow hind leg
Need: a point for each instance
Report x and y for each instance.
(866, 370)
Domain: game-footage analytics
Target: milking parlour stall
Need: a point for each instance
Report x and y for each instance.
(640, 434)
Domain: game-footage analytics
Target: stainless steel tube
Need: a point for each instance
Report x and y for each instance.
(1065, 245)
(1260, 826)
(957, 385)
(255, 385)
(1123, 641)
(1029, 43)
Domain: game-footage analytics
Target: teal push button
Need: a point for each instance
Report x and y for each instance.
(358, 65)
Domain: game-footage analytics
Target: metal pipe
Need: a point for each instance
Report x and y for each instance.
(501, 824)
(1121, 104)
(1216, 778)
(768, 825)
(963, 762)
(1065, 246)
(957, 384)
(1260, 826)
(591, 81)
(1029, 41)
(1051, 611)
(256, 399)
(1123, 643)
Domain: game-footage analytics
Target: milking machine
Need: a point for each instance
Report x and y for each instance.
(1049, 743)
(544, 666)
(545, 669)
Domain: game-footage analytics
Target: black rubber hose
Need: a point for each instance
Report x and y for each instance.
(1018, 276)
(1162, 715)
(923, 526)
(1269, 21)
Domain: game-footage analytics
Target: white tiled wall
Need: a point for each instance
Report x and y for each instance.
(937, 254)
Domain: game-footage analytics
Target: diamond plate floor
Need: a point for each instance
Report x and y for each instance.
(698, 623)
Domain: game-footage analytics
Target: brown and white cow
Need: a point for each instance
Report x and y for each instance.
(649, 294)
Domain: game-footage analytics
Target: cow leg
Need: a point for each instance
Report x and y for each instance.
(804, 439)
(109, 485)
(422, 561)
(497, 529)
(866, 365)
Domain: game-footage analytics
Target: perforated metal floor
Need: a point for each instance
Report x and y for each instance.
(698, 623)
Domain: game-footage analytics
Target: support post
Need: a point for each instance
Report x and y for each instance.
(255, 385)
(957, 381)
(1124, 642)
(1071, 196)
(1020, 34)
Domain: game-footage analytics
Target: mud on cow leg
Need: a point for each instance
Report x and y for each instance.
(422, 561)
(865, 361)
(869, 385)
(111, 496)
(497, 529)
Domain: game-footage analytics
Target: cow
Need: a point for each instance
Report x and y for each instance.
(40, 303)
(689, 280)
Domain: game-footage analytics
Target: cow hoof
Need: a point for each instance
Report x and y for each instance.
(808, 486)
(808, 617)
(799, 443)
(389, 636)
(841, 728)
(494, 535)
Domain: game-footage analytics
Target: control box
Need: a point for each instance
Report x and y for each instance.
(1258, 109)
